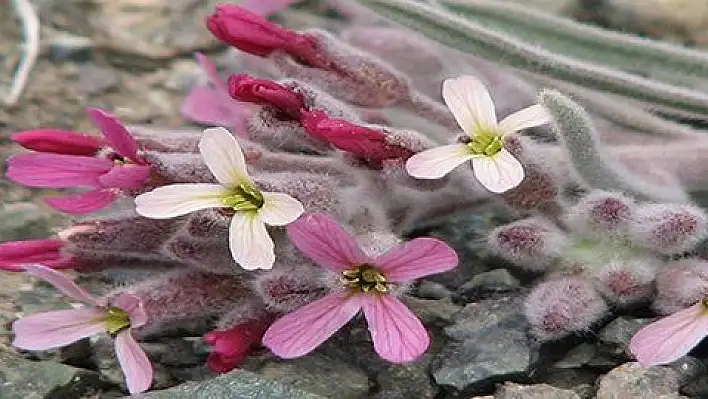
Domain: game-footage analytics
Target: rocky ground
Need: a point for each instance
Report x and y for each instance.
(134, 57)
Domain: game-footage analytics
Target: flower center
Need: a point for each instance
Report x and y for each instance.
(116, 320)
(364, 279)
(244, 197)
(486, 143)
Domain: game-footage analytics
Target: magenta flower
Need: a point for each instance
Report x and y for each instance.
(229, 348)
(15, 255)
(58, 142)
(246, 88)
(367, 284)
(117, 169)
(668, 339)
(116, 316)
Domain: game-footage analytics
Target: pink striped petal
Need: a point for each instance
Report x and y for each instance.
(83, 203)
(125, 177)
(134, 362)
(266, 7)
(417, 258)
(132, 304)
(321, 239)
(397, 333)
(301, 331)
(58, 142)
(14, 255)
(56, 170)
(671, 337)
(117, 136)
(58, 328)
(63, 284)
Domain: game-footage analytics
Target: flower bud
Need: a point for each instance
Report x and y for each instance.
(601, 212)
(266, 92)
(668, 229)
(533, 244)
(626, 281)
(14, 255)
(681, 284)
(58, 142)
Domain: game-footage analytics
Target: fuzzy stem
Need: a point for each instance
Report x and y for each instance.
(432, 110)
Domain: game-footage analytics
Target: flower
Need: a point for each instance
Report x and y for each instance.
(367, 284)
(106, 173)
(250, 244)
(246, 88)
(671, 337)
(14, 255)
(230, 347)
(58, 142)
(116, 316)
(493, 165)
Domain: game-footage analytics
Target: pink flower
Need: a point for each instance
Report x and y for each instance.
(231, 347)
(118, 169)
(367, 284)
(671, 337)
(212, 105)
(58, 142)
(115, 316)
(266, 92)
(14, 255)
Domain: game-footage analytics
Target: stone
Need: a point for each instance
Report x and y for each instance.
(631, 380)
(440, 312)
(431, 290)
(614, 338)
(406, 381)
(576, 357)
(579, 380)
(22, 220)
(94, 79)
(511, 390)
(64, 46)
(689, 369)
(488, 283)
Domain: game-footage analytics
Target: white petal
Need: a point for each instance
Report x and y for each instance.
(251, 246)
(179, 199)
(532, 116)
(224, 157)
(437, 162)
(499, 173)
(470, 103)
(279, 209)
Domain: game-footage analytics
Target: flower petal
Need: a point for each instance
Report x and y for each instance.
(125, 176)
(280, 209)
(470, 103)
(58, 328)
(321, 239)
(532, 116)
(15, 255)
(117, 136)
(417, 258)
(179, 199)
(671, 337)
(437, 162)
(397, 333)
(250, 243)
(222, 154)
(132, 304)
(56, 170)
(63, 284)
(134, 362)
(58, 142)
(79, 204)
(301, 331)
(498, 173)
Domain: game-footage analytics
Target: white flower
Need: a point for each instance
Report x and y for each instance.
(493, 165)
(250, 244)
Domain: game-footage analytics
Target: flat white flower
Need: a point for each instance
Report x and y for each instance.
(250, 243)
(493, 165)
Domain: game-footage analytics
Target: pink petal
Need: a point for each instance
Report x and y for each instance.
(212, 74)
(397, 333)
(58, 328)
(16, 254)
(132, 304)
(58, 142)
(64, 284)
(266, 7)
(321, 239)
(125, 177)
(134, 362)
(56, 170)
(117, 136)
(417, 258)
(301, 331)
(667, 339)
(79, 204)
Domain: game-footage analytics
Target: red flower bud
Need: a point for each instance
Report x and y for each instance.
(231, 347)
(58, 142)
(265, 92)
(14, 255)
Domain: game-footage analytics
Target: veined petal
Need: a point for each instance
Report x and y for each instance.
(125, 176)
(56, 170)
(279, 209)
(397, 333)
(498, 173)
(437, 162)
(134, 362)
(179, 199)
(470, 103)
(303, 330)
(532, 116)
(58, 328)
(321, 239)
(250, 243)
(117, 136)
(63, 284)
(417, 258)
(224, 157)
(134, 306)
(671, 337)
(79, 204)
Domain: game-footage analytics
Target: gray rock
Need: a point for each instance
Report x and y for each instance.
(432, 290)
(576, 357)
(236, 384)
(511, 390)
(439, 312)
(697, 388)
(491, 282)
(689, 369)
(21, 220)
(65, 46)
(614, 338)
(94, 79)
(406, 381)
(580, 380)
(631, 380)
